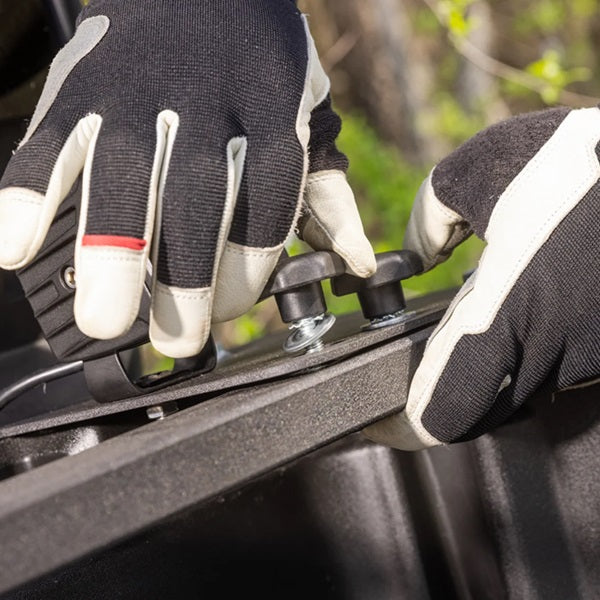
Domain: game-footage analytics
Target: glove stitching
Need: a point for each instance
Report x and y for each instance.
(578, 191)
(114, 258)
(325, 177)
(182, 295)
(24, 200)
(336, 247)
(259, 252)
(135, 306)
(16, 197)
(420, 432)
(532, 170)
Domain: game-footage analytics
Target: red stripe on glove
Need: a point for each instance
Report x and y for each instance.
(116, 241)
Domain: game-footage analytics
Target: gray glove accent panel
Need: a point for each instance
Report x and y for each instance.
(472, 178)
(547, 332)
(87, 37)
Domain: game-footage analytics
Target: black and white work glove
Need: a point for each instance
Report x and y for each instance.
(203, 130)
(530, 314)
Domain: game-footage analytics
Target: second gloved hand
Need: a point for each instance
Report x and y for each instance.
(530, 314)
(203, 130)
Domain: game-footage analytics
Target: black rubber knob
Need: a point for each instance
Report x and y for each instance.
(381, 294)
(296, 284)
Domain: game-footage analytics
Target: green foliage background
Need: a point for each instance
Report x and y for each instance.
(385, 185)
(546, 52)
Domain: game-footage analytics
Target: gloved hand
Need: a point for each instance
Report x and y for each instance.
(530, 314)
(203, 130)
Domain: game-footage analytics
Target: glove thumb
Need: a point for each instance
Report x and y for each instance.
(330, 221)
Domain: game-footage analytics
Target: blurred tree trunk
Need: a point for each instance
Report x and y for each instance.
(477, 90)
(374, 64)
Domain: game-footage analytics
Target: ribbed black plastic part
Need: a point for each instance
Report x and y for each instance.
(298, 271)
(52, 300)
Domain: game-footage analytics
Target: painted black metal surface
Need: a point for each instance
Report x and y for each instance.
(79, 504)
(512, 515)
(258, 362)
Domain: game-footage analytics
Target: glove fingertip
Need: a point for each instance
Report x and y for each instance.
(242, 276)
(180, 320)
(333, 222)
(109, 289)
(359, 257)
(20, 213)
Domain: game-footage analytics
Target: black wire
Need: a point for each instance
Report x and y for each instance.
(17, 389)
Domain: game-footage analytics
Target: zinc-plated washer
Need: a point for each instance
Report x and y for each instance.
(308, 332)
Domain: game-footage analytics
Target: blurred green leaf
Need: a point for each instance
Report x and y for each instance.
(454, 13)
(554, 76)
(425, 22)
(543, 16)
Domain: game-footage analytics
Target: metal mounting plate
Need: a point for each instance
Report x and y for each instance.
(256, 363)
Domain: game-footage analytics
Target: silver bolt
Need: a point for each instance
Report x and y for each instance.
(316, 347)
(307, 333)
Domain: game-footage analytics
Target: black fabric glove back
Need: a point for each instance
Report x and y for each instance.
(530, 314)
(192, 122)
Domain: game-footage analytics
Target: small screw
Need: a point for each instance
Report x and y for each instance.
(68, 278)
(159, 412)
(307, 333)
